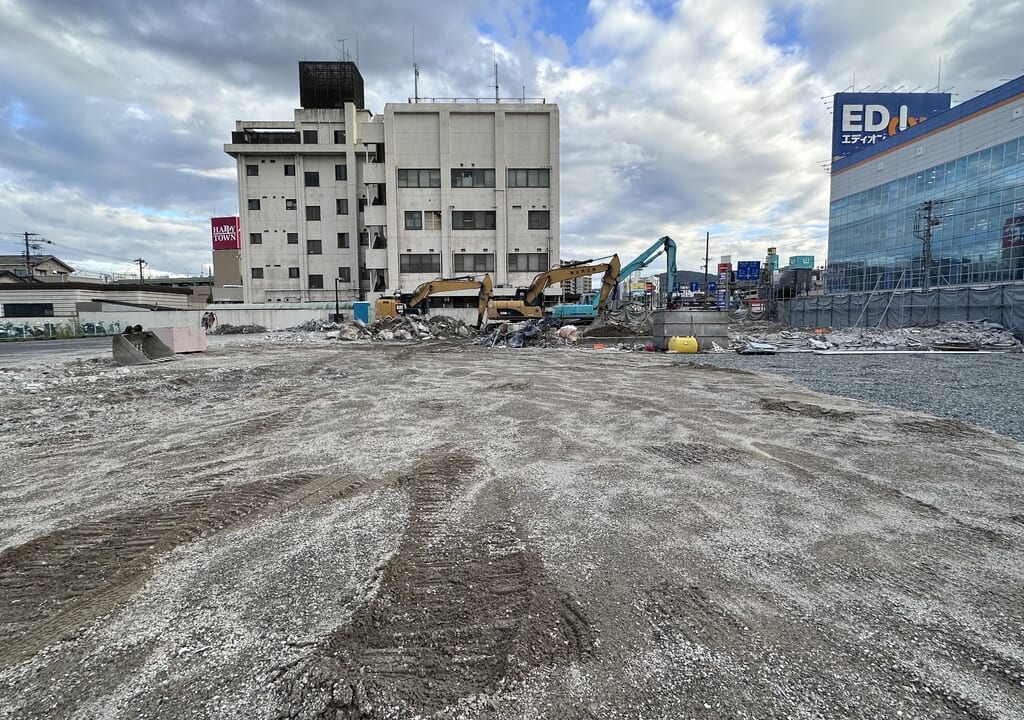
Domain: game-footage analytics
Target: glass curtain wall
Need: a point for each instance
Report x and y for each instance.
(977, 234)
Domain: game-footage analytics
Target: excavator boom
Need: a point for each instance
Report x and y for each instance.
(413, 303)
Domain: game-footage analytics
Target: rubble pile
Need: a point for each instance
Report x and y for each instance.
(427, 327)
(962, 335)
(543, 333)
(227, 329)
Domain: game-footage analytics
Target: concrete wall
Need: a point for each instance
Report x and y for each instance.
(272, 318)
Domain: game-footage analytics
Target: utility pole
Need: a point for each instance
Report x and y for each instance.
(28, 249)
(924, 221)
(707, 259)
(141, 263)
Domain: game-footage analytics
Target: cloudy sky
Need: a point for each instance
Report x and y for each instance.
(677, 117)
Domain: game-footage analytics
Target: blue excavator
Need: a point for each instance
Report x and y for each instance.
(592, 303)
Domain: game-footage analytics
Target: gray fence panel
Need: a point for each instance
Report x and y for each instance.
(1003, 304)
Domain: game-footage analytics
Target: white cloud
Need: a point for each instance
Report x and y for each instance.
(675, 118)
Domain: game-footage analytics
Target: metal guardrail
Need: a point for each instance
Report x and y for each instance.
(496, 101)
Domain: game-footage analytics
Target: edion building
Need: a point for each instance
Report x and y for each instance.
(337, 199)
(938, 203)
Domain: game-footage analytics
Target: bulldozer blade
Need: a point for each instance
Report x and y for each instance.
(141, 348)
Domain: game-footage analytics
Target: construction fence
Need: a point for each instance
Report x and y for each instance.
(1000, 303)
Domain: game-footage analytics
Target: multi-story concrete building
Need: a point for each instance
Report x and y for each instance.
(337, 200)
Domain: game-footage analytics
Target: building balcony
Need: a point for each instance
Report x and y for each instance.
(373, 174)
(375, 215)
(377, 259)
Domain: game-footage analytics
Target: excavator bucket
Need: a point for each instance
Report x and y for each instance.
(140, 348)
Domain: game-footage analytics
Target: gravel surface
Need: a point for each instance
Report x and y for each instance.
(289, 526)
(984, 390)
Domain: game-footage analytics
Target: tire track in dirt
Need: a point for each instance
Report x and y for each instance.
(463, 606)
(56, 585)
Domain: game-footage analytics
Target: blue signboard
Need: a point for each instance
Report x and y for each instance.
(863, 119)
(801, 261)
(695, 286)
(712, 286)
(748, 270)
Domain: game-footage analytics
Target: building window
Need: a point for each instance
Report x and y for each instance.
(27, 310)
(419, 263)
(255, 238)
(343, 240)
(289, 169)
(254, 204)
(252, 170)
(309, 137)
(474, 262)
(312, 179)
(344, 274)
(473, 219)
(413, 220)
(316, 282)
(431, 219)
(419, 178)
(340, 172)
(341, 204)
(527, 262)
(257, 273)
(290, 204)
(312, 212)
(475, 177)
(293, 272)
(538, 177)
(314, 247)
(339, 137)
(293, 238)
(539, 220)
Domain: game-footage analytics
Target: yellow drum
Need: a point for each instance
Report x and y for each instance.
(680, 344)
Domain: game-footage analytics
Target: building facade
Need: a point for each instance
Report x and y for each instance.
(941, 203)
(340, 203)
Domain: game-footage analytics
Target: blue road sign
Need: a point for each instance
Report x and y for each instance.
(694, 287)
(748, 270)
(712, 286)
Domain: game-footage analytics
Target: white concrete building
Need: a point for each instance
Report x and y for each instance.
(339, 200)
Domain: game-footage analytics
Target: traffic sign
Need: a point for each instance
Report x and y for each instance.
(695, 286)
(748, 270)
(712, 286)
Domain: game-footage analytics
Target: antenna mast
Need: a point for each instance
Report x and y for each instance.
(415, 70)
(494, 54)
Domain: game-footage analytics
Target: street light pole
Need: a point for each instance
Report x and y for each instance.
(337, 302)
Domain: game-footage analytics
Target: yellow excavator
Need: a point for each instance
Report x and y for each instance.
(416, 303)
(529, 301)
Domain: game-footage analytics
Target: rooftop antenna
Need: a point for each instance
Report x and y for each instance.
(342, 53)
(357, 48)
(938, 82)
(415, 70)
(494, 54)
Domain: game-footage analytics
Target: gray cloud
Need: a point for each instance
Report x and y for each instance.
(113, 113)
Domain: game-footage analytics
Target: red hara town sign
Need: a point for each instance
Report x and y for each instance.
(226, 234)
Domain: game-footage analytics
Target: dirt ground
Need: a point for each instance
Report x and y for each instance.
(291, 527)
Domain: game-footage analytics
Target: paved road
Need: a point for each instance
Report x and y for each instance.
(19, 351)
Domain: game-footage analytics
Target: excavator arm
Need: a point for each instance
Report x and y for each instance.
(421, 293)
(534, 295)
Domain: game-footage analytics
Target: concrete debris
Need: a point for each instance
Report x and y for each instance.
(226, 329)
(541, 333)
(429, 327)
(962, 335)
